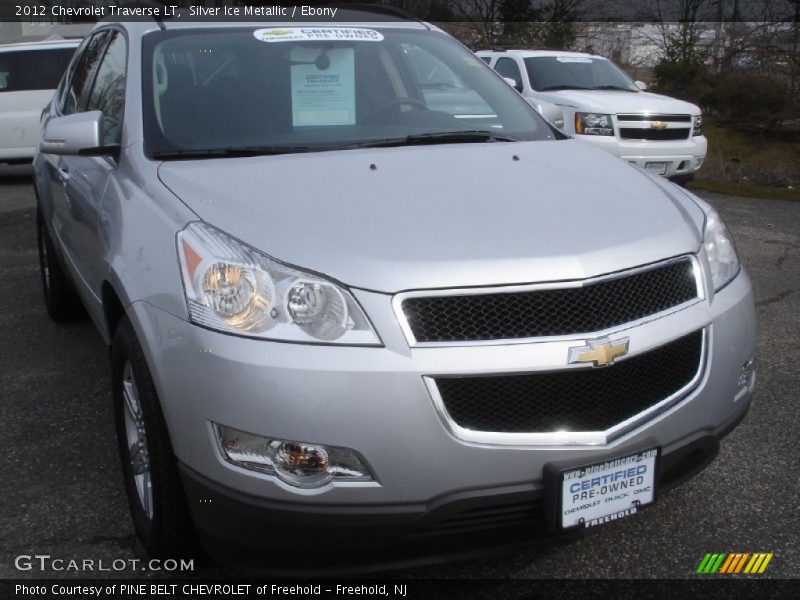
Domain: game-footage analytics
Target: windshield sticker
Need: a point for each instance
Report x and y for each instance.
(323, 87)
(573, 59)
(308, 34)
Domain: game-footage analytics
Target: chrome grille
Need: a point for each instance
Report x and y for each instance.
(595, 305)
(572, 400)
(654, 135)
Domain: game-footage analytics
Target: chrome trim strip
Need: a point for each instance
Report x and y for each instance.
(566, 438)
(397, 305)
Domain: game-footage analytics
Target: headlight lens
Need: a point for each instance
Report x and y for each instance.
(593, 124)
(233, 288)
(697, 128)
(720, 250)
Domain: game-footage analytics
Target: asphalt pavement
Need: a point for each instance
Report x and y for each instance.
(62, 492)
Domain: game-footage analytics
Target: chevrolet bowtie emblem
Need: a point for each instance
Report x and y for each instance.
(658, 125)
(601, 352)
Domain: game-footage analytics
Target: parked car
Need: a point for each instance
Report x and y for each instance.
(347, 326)
(29, 73)
(602, 105)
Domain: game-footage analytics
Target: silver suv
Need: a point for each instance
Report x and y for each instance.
(339, 316)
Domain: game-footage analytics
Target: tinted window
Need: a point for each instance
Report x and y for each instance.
(486, 59)
(576, 73)
(508, 68)
(33, 69)
(108, 93)
(318, 88)
(76, 94)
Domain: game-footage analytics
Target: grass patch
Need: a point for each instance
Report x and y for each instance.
(745, 189)
(752, 160)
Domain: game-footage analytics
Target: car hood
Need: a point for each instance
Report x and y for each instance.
(394, 219)
(612, 102)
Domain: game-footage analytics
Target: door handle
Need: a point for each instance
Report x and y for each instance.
(63, 175)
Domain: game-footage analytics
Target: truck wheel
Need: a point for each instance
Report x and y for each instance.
(682, 180)
(157, 502)
(60, 298)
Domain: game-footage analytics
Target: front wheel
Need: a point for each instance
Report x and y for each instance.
(155, 494)
(60, 298)
(682, 180)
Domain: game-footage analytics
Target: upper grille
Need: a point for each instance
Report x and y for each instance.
(593, 399)
(523, 314)
(668, 118)
(633, 133)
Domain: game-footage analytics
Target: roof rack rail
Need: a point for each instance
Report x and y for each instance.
(380, 9)
(159, 4)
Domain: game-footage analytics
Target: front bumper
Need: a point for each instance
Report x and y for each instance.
(683, 157)
(266, 537)
(374, 400)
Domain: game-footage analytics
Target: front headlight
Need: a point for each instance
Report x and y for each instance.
(697, 127)
(593, 124)
(720, 250)
(234, 288)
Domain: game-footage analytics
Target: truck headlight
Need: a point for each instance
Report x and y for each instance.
(720, 250)
(697, 126)
(593, 124)
(234, 288)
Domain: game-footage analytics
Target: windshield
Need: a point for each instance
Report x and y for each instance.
(576, 73)
(304, 89)
(24, 70)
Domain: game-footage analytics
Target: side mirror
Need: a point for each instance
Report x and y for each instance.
(641, 85)
(551, 112)
(513, 83)
(78, 134)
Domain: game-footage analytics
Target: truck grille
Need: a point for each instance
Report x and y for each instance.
(595, 306)
(655, 135)
(591, 399)
(667, 118)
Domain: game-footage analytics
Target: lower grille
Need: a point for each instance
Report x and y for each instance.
(592, 399)
(654, 135)
(528, 516)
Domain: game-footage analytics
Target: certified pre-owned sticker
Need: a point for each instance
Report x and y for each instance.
(295, 34)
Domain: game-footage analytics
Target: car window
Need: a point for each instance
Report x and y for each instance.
(23, 70)
(76, 94)
(507, 67)
(577, 73)
(108, 92)
(486, 59)
(442, 89)
(318, 87)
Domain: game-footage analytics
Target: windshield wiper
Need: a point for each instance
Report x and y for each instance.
(441, 137)
(563, 87)
(614, 87)
(234, 152)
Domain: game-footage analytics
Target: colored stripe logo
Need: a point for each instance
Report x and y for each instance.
(733, 563)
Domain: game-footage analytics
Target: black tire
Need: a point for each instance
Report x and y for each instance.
(682, 180)
(166, 531)
(60, 298)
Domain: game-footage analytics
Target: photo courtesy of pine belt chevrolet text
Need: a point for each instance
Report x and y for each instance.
(365, 306)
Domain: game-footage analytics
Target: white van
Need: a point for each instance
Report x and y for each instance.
(29, 73)
(602, 105)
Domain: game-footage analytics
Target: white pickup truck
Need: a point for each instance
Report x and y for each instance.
(29, 73)
(602, 105)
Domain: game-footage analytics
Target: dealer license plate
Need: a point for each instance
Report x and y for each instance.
(659, 168)
(606, 491)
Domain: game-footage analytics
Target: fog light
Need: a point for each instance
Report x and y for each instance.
(296, 463)
(747, 374)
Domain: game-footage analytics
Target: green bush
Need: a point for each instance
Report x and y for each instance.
(746, 101)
